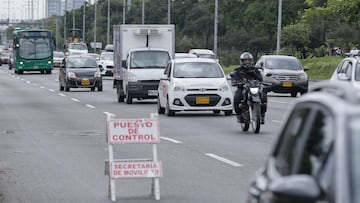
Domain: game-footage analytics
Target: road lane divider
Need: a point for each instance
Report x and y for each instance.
(224, 160)
(90, 106)
(75, 100)
(171, 140)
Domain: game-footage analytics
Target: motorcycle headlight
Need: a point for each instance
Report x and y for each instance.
(71, 75)
(97, 74)
(224, 87)
(254, 90)
(178, 87)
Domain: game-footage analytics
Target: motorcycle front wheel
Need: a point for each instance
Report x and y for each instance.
(245, 126)
(255, 117)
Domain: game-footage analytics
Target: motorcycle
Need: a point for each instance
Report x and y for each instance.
(251, 106)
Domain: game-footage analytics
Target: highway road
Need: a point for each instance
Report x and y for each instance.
(52, 146)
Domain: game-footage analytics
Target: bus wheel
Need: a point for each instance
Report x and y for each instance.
(48, 71)
(20, 72)
(42, 71)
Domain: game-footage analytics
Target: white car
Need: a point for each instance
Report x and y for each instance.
(348, 71)
(106, 63)
(194, 84)
(58, 58)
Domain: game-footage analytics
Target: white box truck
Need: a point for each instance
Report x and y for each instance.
(141, 53)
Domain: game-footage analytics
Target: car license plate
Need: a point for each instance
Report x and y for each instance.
(152, 92)
(85, 82)
(287, 84)
(202, 100)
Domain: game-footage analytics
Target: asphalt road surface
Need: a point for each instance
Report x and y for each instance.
(52, 146)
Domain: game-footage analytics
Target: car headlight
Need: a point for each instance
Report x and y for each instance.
(97, 74)
(178, 87)
(132, 77)
(303, 76)
(224, 87)
(71, 75)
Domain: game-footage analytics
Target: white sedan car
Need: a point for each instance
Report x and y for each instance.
(194, 84)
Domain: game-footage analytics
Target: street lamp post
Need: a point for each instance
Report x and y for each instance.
(65, 24)
(95, 26)
(83, 32)
(215, 27)
(108, 23)
(169, 7)
(143, 12)
(279, 28)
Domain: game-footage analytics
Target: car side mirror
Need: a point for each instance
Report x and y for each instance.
(123, 63)
(164, 77)
(295, 189)
(343, 76)
(306, 68)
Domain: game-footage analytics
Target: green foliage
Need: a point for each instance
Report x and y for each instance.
(321, 68)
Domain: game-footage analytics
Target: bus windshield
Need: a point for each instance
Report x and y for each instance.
(35, 47)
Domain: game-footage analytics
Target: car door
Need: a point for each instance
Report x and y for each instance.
(306, 147)
(164, 84)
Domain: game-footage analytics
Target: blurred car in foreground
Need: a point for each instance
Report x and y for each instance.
(283, 74)
(58, 58)
(194, 84)
(348, 70)
(79, 71)
(316, 156)
(106, 63)
(185, 55)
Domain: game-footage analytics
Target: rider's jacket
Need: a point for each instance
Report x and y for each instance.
(240, 73)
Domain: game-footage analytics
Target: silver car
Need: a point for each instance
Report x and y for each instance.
(283, 74)
(348, 71)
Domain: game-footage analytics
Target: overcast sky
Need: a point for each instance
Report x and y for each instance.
(21, 9)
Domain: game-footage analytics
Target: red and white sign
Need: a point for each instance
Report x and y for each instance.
(138, 169)
(123, 131)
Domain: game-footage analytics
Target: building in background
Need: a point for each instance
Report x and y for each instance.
(57, 7)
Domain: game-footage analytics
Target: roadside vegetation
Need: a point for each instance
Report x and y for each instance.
(320, 68)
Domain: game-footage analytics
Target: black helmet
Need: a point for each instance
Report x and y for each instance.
(244, 56)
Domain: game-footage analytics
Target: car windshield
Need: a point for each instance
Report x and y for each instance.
(149, 59)
(58, 54)
(282, 63)
(197, 70)
(81, 62)
(357, 72)
(78, 46)
(107, 56)
(355, 158)
(210, 56)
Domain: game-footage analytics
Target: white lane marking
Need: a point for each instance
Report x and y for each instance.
(75, 100)
(277, 101)
(28, 82)
(61, 94)
(35, 84)
(51, 90)
(171, 140)
(42, 87)
(276, 121)
(22, 78)
(222, 159)
(90, 106)
(109, 114)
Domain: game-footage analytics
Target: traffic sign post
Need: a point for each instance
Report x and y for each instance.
(133, 131)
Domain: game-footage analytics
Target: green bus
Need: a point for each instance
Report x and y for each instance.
(33, 50)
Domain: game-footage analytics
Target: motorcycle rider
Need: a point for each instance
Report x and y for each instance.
(249, 72)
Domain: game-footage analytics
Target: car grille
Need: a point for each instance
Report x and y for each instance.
(213, 98)
(287, 77)
(202, 89)
(109, 67)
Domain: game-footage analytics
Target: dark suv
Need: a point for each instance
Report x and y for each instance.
(316, 157)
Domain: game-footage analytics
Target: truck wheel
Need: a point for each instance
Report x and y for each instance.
(128, 98)
(120, 96)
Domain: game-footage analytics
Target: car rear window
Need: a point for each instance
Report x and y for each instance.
(282, 63)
